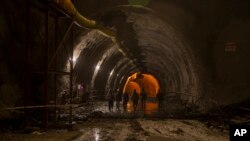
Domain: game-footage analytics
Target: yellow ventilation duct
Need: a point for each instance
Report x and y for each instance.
(81, 20)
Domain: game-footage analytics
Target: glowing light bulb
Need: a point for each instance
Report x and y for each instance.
(97, 67)
(111, 73)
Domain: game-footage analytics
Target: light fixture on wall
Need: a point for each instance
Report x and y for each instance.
(111, 73)
(97, 67)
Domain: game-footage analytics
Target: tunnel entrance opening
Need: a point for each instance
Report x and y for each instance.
(143, 81)
(138, 81)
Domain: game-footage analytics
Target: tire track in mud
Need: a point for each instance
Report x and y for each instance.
(119, 131)
(138, 133)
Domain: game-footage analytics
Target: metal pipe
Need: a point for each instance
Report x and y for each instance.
(81, 20)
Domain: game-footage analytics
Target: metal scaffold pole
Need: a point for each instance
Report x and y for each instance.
(55, 67)
(27, 62)
(71, 75)
(46, 69)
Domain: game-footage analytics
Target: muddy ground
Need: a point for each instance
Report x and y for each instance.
(109, 129)
(99, 124)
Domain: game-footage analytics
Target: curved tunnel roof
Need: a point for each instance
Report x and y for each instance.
(151, 42)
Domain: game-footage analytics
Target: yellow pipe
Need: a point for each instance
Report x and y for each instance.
(81, 20)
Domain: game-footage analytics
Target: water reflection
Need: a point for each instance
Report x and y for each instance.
(151, 107)
(130, 107)
(96, 134)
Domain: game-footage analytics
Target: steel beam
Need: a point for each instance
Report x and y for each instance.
(55, 66)
(61, 44)
(27, 62)
(71, 76)
(53, 72)
(46, 69)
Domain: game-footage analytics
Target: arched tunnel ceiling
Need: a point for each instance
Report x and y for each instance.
(206, 26)
(149, 40)
(155, 41)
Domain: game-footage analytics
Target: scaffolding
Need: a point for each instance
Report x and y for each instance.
(51, 46)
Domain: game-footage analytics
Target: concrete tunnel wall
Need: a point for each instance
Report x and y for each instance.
(155, 45)
(199, 35)
(202, 26)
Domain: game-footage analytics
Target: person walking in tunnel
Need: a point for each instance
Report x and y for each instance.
(86, 96)
(135, 98)
(110, 98)
(143, 99)
(118, 99)
(160, 98)
(125, 101)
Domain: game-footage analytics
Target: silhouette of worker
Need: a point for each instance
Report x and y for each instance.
(143, 99)
(125, 101)
(160, 99)
(110, 98)
(86, 98)
(135, 98)
(118, 99)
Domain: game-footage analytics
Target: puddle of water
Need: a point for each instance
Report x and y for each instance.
(130, 107)
(90, 134)
(150, 109)
(96, 134)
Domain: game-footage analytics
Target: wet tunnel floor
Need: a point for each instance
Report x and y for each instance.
(118, 126)
(107, 129)
(148, 130)
(151, 109)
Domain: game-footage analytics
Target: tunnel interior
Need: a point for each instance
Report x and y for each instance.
(146, 82)
(158, 50)
(196, 54)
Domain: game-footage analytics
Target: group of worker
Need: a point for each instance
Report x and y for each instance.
(118, 97)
